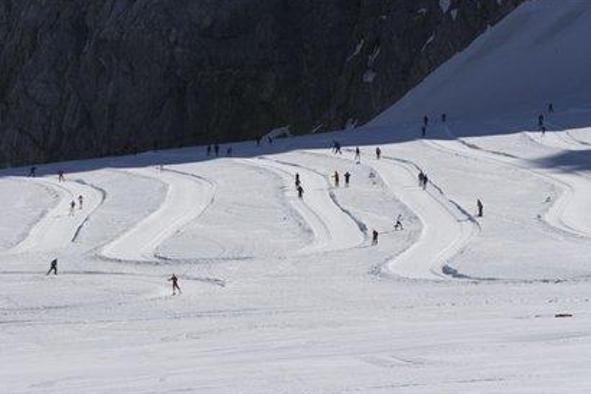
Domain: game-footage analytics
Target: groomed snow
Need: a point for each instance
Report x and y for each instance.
(287, 295)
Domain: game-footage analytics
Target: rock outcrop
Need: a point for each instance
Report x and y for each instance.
(83, 78)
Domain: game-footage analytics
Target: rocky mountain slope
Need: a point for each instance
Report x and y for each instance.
(85, 78)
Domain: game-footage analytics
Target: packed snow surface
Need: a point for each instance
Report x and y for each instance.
(282, 294)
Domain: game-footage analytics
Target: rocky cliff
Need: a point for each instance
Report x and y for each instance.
(86, 78)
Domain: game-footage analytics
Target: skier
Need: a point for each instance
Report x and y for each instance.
(337, 148)
(229, 151)
(398, 224)
(175, 284)
(216, 149)
(425, 120)
(347, 178)
(32, 171)
(550, 108)
(53, 267)
(423, 131)
(374, 237)
(297, 180)
(543, 130)
(270, 140)
(421, 178)
(357, 155)
(541, 120)
(80, 201)
(336, 179)
(425, 181)
(259, 141)
(378, 153)
(60, 176)
(300, 191)
(480, 207)
(208, 150)
(72, 207)
(443, 117)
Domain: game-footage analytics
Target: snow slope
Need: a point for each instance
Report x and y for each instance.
(287, 295)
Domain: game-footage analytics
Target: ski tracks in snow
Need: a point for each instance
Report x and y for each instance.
(59, 226)
(565, 213)
(187, 197)
(334, 229)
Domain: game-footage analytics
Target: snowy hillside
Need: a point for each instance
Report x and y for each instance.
(282, 294)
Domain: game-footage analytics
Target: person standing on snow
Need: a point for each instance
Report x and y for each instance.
(550, 108)
(543, 130)
(443, 117)
(541, 120)
(52, 267)
(72, 207)
(347, 178)
(229, 152)
(357, 155)
(425, 120)
(479, 207)
(175, 284)
(208, 150)
(80, 202)
(336, 179)
(300, 191)
(378, 153)
(374, 237)
(32, 172)
(425, 181)
(297, 180)
(60, 176)
(398, 224)
(216, 149)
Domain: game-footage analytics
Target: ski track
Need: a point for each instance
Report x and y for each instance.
(334, 228)
(57, 228)
(446, 227)
(563, 213)
(187, 197)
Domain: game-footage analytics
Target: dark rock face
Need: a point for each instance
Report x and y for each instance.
(83, 78)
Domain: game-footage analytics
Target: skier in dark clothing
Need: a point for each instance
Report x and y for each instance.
(425, 120)
(60, 176)
(357, 155)
(480, 208)
(72, 207)
(208, 150)
(336, 179)
(270, 140)
(347, 178)
(300, 191)
(337, 147)
(541, 120)
(229, 151)
(374, 237)
(32, 171)
(378, 153)
(297, 178)
(52, 267)
(543, 130)
(421, 178)
(216, 149)
(258, 141)
(443, 117)
(425, 181)
(175, 284)
(398, 223)
(80, 201)
(550, 108)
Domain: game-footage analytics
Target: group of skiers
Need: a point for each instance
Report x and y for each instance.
(73, 205)
(174, 279)
(426, 123)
